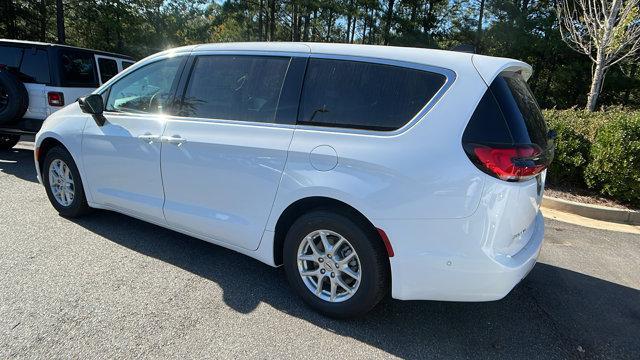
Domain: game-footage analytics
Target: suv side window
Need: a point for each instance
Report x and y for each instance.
(10, 56)
(362, 95)
(35, 66)
(230, 87)
(146, 90)
(77, 69)
(108, 69)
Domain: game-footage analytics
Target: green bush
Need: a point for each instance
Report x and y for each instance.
(614, 169)
(571, 153)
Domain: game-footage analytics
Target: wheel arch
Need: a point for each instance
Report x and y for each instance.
(47, 144)
(307, 204)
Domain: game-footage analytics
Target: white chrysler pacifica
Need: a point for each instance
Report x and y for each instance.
(363, 170)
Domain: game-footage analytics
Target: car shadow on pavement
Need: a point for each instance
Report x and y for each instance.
(553, 313)
(14, 162)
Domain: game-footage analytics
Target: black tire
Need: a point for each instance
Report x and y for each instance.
(7, 141)
(14, 98)
(373, 258)
(78, 205)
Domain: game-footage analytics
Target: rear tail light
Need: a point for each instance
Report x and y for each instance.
(510, 162)
(55, 98)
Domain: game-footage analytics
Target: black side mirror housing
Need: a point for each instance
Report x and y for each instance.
(93, 104)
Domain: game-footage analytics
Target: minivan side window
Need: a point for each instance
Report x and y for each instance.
(230, 87)
(126, 64)
(145, 90)
(78, 69)
(362, 95)
(108, 69)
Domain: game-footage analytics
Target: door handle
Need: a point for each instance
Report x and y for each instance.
(149, 138)
(175, 140)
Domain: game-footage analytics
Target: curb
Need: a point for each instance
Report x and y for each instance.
(596, 212)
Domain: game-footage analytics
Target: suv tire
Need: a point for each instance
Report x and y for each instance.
(66, 196)
(370, 264)
(14, 98)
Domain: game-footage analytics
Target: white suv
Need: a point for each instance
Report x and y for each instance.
(361, 169)
(36, 79)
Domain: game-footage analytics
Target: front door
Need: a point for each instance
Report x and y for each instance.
(223, 160)
(122, 157)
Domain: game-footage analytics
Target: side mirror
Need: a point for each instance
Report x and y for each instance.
(93, 104)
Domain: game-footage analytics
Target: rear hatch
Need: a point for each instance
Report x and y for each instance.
(507, 138)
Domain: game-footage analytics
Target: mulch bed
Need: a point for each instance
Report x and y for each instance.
(584, 196)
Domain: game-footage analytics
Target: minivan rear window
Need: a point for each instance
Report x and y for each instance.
(78, 69)
(363, 95)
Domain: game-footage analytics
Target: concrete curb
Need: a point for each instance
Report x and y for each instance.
(597, 212)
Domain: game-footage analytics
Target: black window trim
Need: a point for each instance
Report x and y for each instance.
(450, 77)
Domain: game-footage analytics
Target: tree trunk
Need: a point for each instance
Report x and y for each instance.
(60, 21)
(305, 31)
(479, 29)
(43, 20)
(272, 20)
(329, 23)
(632, 75)
(389, 19)
(596, 85)
(260, 20)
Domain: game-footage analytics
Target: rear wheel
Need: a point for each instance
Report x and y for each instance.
(8, 141)
(335, 264)
(63, 184)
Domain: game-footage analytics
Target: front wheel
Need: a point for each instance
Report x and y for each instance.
(8, 141)
(62, 182)
(336, 264)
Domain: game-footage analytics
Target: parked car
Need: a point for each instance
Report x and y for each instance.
(361, 169)
(36, 79)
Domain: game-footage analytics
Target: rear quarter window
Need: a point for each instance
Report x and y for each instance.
(363, 95)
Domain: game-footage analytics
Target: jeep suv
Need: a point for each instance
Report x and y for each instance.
(37, 79)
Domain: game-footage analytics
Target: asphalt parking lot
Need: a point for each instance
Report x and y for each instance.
(108, 286)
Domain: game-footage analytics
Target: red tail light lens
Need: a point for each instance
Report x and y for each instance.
(512, 163)
(55, 98)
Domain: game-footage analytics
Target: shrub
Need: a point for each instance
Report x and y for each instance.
(614, 169)
(571, 153)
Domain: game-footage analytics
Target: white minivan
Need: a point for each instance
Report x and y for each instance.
(363, 170)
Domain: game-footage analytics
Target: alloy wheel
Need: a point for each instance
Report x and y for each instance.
(61, 182)
(329, 266)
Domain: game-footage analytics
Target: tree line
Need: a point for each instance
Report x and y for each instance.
(528, 30)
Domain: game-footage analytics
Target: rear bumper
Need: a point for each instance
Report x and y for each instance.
(464, 274)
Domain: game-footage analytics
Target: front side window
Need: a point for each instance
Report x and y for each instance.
(243, 88)
(362, 95)
(145, 90)
(126, 64)
(78, 69)
(108, 69)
